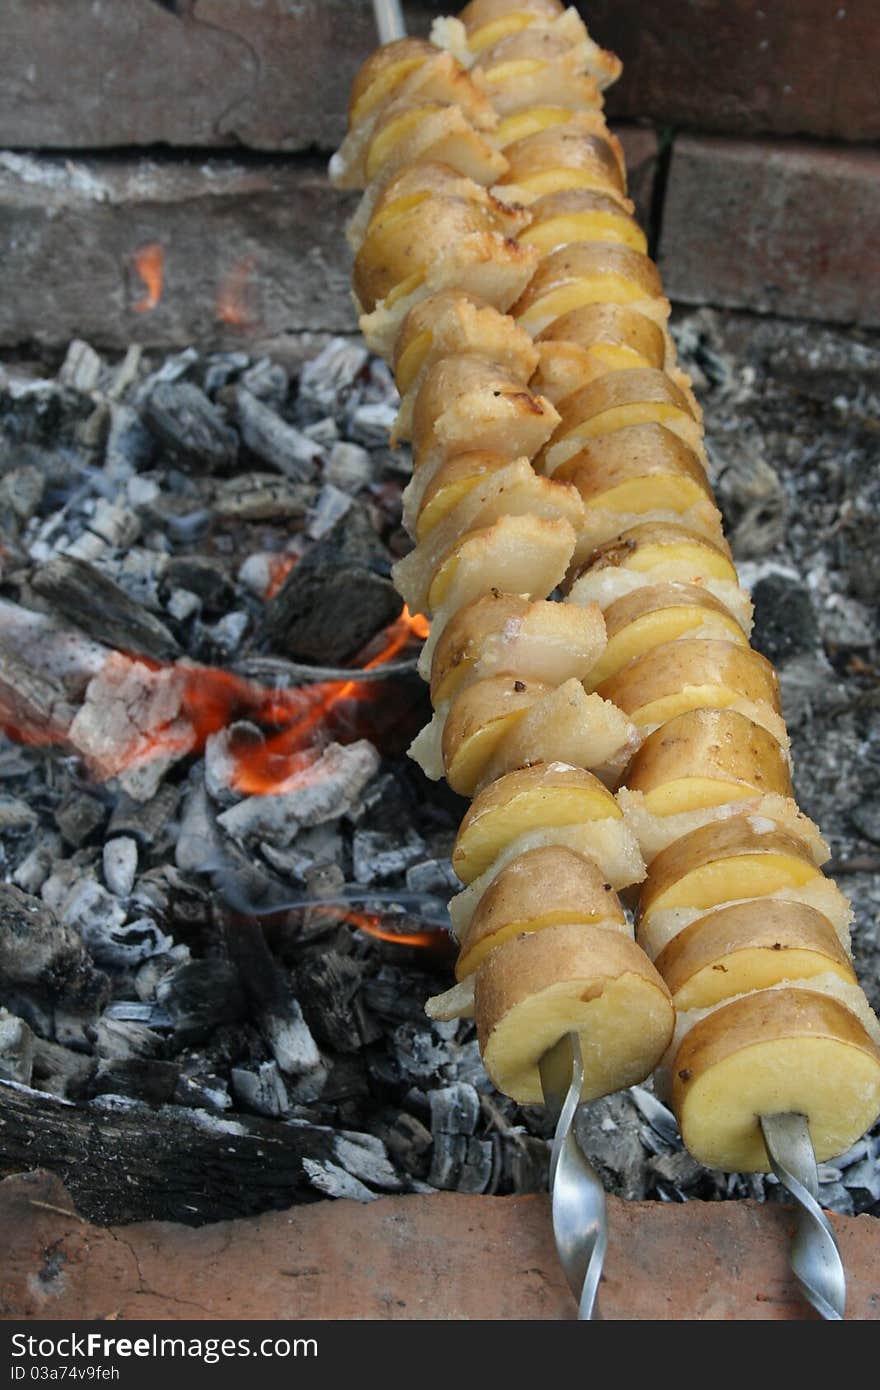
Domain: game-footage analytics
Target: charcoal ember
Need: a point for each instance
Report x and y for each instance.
(120, 860)
(326, 790)
(330, 378)
(32, 698)
(785, 620)
(407, 1140)
(752, 500)
(37, 865)
(678, 1169)
(223, 752)
(103, 610)
(346, 1088)
(324, 432)
(454, 1109)
(148, 975)
(268, 381)
(132, 724)
(198, 840)
(42, 412)
(331, 1180)
(372, 422)
(190, 426)
(21, 492)
(223, 367)
(203, 576)
(313, 617)
(272, 999)
(290, 1039)
(82, 367)
(330, 507)
(117, 1039)
(349, 467)
(262, 497)
(140, 1078)
(145, 822)
(200, 995)
(272, 440)
(100, 919)
(60, 1071)
(129, 446)
(115, 524)
(365, 1157)
(608, 1132)
(328, 986)
(398, 996)
(261, 1090)
(460, 1164)
(16, 816)
(202, 1092)
(16, 1049)
(379, 854)
(79, 817)
(525, 1163)
(434, 877)
(44, 961)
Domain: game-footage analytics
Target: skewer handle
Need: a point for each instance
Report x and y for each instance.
(390, 23)
(580, 1217)
(815, 1257)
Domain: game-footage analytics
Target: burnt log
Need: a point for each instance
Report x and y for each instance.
(191, 426)
(103, 610)
(127, 1161)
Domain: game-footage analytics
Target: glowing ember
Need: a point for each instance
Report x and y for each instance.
(279, 568)
(371, 924)
(233, 296)
(149, 263)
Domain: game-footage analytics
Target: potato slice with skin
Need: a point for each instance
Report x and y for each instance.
(582, 214)
(580, 153)
(785, 1049)
(521, 554)
(587, 273)
(658, 614)
(609, 843)
(517, 902)
(423, 575)
(477, 723)
(383, 71)
(637, 396)
(656, 833)
(540, 640)
(567, 725)
(509, 15)
(451, 483)
(531, 119)
(707, 757)
(698, 673)
(411, 127)
(738, 858)
(570, 978)
(563, 45)
(580, 346)
(749, 946)
(446, 325)
(549, 795)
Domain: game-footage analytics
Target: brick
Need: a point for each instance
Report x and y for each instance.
(269, 74)
(267, 240)
(745, 66)
(445, 1256)
(775, 227)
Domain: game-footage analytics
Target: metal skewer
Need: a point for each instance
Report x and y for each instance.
(389, 20)
(580, 1218)
(815, 1257)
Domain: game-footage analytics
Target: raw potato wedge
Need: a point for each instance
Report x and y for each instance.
(570, 978)
(657, 614)
(590, 273)
(516, 902)
(706, 757)
(744, 857)
(698, 673)
(638, 396)
(785, 1049)
(446, 325)
(531, 799)
(499, 633)
(749, 946)
(581, 214)
(562, 157)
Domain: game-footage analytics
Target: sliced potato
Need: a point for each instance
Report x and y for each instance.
(739, 858)
(749, 946)
(698, 673)
(533, 798)
(382, 72)
(657, 614)
(531, 119)
(581, 346)
(637, 396)
(777, 1050)
(451, 483)
(706, 757)
(581, 214)
(541, 888)
(656, 832)
(477, 723)
(570, 978)
(562, 157)
(567, 725)
(502, 632)
(561, 44)
(466, 402)
(589, 273)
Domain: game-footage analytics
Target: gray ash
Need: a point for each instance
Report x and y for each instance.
(215, 996)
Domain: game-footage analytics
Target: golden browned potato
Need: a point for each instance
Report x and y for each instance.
(382, 73)
(570, 978)
(706, 757)
(639, 468)
(783, 1049)
(590, 272)
(412, 129)
(637, 396)
(451, 483)
(515, 60)
(531, 119)
(501, 632)
(660, 613)
(477, 723)
(698, 673)
(534, 798)
(448, 324)
(749, 946)
(505, 17)
(466, 402)
(541, 888)
(580, 346)
(582, 214)
(561, 157)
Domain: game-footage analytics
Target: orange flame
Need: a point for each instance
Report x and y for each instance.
(233, 294)
(371, 924)
(149, 263)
